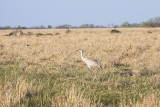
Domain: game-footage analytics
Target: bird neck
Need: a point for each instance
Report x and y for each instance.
(82, 55)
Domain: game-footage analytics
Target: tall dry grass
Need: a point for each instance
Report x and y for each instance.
(134, 47)
(15, 92)
(74, 98)
(38, 69)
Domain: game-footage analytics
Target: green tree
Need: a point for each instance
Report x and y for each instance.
(18, 26)
(125, 24)
(49, 26)
(145, 24)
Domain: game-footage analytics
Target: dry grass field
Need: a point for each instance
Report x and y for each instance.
(42, 68)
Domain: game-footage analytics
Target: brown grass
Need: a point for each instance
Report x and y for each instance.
(12, 94)
(148, 101)
(133, 52)
(134, 47)
(74, 98)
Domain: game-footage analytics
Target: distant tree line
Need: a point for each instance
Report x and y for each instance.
(57, 27)
(153, 22)
(81, 26)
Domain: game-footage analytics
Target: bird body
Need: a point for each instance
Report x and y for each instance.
(89, 61)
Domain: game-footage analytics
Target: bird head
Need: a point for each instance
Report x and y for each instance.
(80, 50)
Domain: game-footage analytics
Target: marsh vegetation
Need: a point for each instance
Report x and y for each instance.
(48, 71)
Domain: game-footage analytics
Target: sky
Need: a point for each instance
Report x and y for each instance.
(30, 13)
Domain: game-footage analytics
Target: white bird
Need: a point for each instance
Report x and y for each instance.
(89, 61)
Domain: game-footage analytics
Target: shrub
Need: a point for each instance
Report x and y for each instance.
(39, 34)
(49, 34)
(29, 33)
(149, 32)
(115, 31)
(14, 33)
(57, 33)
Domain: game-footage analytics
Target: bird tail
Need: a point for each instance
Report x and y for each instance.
(100, 65)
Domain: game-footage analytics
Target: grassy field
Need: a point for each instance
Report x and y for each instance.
(41, 68)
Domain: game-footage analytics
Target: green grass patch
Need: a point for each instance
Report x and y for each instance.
(106, 86)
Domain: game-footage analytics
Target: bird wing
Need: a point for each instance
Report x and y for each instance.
(94, 61)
